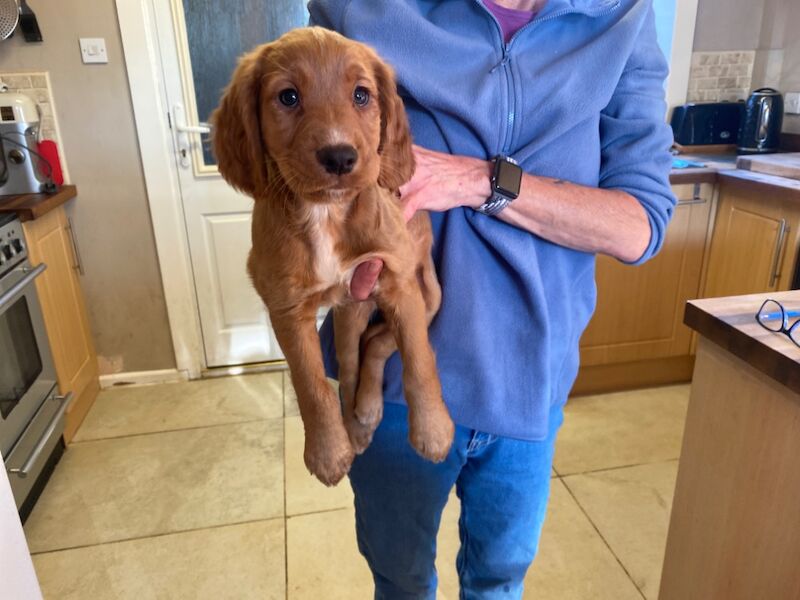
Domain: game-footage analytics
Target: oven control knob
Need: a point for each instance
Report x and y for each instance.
(16, 246)
(6, 252)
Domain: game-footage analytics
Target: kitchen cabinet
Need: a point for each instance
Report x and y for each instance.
(49, 239)
(755, 240)
(734, 530)
(637, 336)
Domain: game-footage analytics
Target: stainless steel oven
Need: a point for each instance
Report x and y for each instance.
(31, 411)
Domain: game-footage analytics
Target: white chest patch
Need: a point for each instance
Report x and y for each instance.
(327, 266)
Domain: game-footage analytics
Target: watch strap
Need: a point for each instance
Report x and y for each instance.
(494, 204)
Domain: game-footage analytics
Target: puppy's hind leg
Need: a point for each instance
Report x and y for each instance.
(349, 322)
(378, 345)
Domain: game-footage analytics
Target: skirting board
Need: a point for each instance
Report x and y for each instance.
(142, 378)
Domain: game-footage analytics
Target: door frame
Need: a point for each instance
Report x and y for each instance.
(680, 61)
(159, 165)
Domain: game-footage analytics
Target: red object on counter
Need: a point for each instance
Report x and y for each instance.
(49, 150)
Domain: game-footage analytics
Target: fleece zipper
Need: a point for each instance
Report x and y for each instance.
(505, 62)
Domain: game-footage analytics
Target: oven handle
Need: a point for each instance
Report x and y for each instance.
(21, 284)
(22, 472)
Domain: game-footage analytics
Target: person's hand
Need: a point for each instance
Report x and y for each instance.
(440, 182)
(444, 181)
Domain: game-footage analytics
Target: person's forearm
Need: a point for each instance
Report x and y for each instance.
(584, 218)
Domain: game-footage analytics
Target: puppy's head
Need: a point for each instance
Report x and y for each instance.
(316, 111)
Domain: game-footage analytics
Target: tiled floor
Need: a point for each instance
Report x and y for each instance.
(198, 490)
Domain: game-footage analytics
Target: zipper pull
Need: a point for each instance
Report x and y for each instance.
(503, 62)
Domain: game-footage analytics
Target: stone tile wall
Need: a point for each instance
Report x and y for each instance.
(720, 76)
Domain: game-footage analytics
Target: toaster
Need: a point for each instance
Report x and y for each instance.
(709, 123)
(20, 169)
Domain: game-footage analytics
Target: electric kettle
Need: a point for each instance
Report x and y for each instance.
(760, 130)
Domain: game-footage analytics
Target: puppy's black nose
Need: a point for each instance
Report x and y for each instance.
(339, 159)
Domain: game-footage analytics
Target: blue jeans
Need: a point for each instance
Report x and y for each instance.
(503, 485)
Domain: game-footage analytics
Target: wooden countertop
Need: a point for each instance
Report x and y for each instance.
(761, 179)
(730, 323)
(33, 206)
(722, 167)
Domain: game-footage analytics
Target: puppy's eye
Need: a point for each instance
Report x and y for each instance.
(289, 97)
(361, 96)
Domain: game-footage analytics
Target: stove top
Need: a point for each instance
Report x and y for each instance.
(12, 244)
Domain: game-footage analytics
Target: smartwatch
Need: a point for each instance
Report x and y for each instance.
(505, 181)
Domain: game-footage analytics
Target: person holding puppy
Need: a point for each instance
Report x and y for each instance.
(540, 142)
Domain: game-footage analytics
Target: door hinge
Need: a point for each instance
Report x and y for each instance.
(169, 120)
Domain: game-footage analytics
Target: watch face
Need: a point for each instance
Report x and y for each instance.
(507, 178)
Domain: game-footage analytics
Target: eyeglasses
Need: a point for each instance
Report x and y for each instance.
(774, 317)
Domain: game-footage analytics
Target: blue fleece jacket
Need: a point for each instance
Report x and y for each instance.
(577, 94)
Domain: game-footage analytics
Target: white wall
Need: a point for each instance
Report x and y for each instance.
(17, 577)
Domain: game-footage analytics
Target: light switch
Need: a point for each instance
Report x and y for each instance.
(93, 50)
(792, 103)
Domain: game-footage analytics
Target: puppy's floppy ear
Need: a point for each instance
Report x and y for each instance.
(397, 156)
(241, 154)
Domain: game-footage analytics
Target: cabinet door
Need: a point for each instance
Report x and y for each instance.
(64, 312)
(639, 313)
(753, 230)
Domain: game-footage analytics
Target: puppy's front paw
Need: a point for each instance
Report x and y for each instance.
(328, 454)
(431, 432)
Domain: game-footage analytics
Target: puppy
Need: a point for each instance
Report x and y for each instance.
(311, 126)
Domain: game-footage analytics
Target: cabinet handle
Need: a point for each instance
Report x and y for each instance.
(695, 199)
(75, 251)
(778, 247)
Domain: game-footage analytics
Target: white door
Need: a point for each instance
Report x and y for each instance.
(199, 42)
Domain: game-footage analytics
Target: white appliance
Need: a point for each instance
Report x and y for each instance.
(21, 170)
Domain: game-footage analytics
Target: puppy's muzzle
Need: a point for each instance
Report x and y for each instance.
(338, 160)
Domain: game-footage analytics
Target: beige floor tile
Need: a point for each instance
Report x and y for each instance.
(323, 558)
(237, 562)
(573, 562)
(621, 429)
(631, 508)
(150, 408)
(304, 492)
(138, 486)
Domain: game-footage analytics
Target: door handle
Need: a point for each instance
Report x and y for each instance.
(184, 132)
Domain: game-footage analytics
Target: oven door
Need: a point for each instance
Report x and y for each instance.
(27, 375)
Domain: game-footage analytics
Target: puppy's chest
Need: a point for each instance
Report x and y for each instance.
(327, 266)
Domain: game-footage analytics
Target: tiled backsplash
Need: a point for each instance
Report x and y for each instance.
(37, 87)
(719, 76)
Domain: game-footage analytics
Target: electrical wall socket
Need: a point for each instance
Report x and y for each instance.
(791, 103)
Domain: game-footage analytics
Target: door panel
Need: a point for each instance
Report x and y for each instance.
(200, 42)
